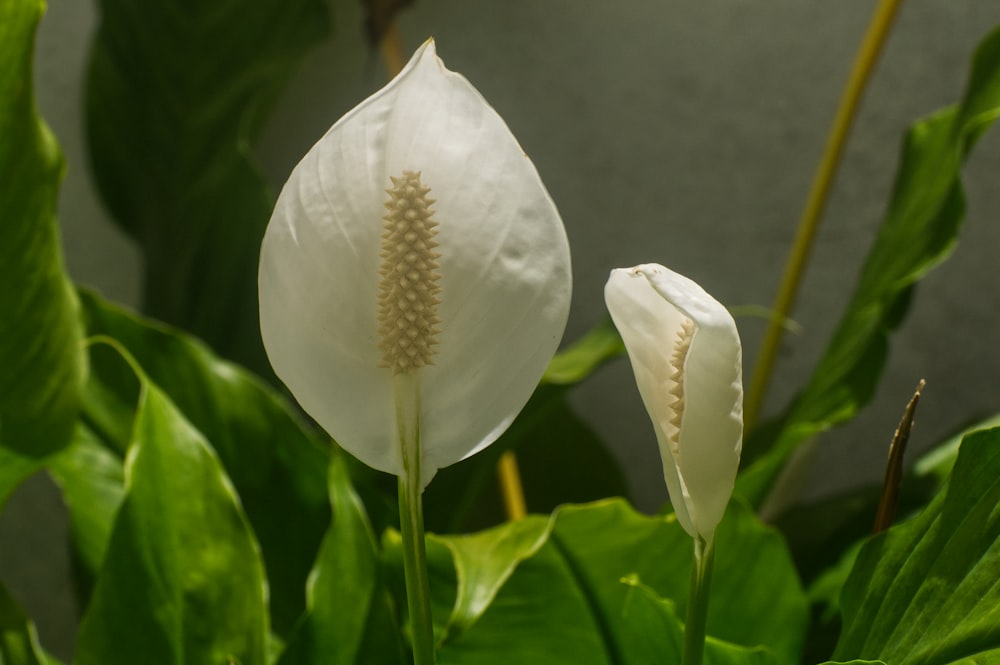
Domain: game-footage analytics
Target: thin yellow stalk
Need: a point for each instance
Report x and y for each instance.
(864, 64)
(510, 487)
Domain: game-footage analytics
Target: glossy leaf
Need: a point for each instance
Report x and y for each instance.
(925, 591)
(919, 231)
(276, 465)
(182, 580)
(176, 96)
(485, 561)
(655, 634)
(581, 558)
(40, 353)
(349, 618)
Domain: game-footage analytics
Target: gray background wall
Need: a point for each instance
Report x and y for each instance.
(683, 132)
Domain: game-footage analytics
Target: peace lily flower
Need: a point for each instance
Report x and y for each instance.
(415, 275)
(414, 284)
(687, 359)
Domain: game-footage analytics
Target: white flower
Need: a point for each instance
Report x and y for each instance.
(415, 275)
(687, 359)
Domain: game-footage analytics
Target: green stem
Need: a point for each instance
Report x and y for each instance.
(697, 609)
(406, 392)
(418, 592)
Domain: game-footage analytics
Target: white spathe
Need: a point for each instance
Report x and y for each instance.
(502, 266)
(687, 360)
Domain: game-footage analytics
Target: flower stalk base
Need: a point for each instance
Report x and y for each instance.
(411, 519)
(697, 609)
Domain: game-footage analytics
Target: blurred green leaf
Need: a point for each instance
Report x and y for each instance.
(926, 590)
(40, 353)
(177, 93)
(18, 638)
(919, 232)
(350, 618)
(574, 364)
(182, 580)
(276, 465)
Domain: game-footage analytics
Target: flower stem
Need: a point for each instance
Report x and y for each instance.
(418, 593)
(697, 609)
(864, 64)
(406, 393)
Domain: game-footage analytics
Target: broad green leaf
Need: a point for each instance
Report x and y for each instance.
(855, 662)
(18, 638)
(485, 561)
(561, 459)
(937, 463)
(755, 597)
(349, 618)
(182, 580)
(919, 232)
(655, 634)
(176, 95)
(276, 465)
(560, 598)
(541, 615)
(926, 590)
(40, 353)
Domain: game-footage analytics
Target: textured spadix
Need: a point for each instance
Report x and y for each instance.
(687, 359)
(416, 244)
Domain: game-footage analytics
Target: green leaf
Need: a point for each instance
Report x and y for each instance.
(925, 591)
(350, 619)
(919, 232)
(485, 561)
(18, 638)
(182, 580)
(656, 634)
(276, 465)
(554, 592)
(40, 353)
(176, 96)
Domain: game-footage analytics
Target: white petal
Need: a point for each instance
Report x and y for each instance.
(504, 267)
(649, 304)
